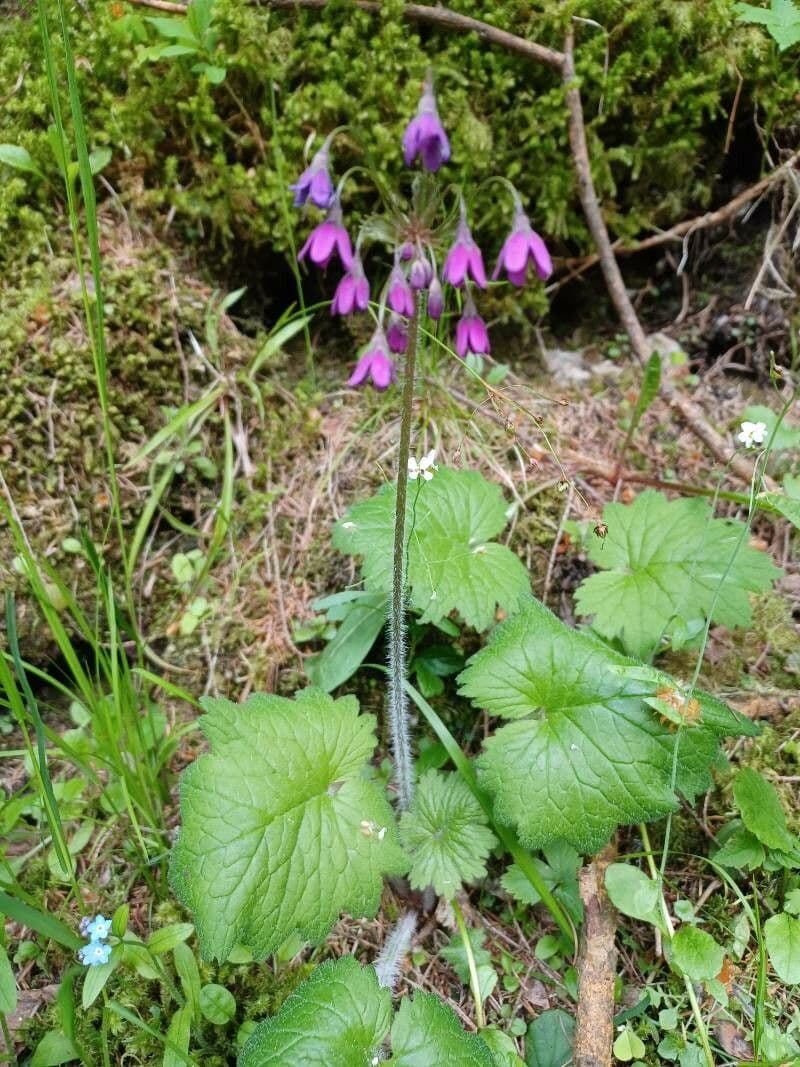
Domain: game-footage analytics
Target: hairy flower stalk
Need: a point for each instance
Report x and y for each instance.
(397, 697)
(396, 946)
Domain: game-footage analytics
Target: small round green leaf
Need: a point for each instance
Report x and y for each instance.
(697, 954)
(217, 1004)
(761, 809)
(633, 893)
(628, 1046)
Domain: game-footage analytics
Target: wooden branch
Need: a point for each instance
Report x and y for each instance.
(688, 226)
(690, 412)
(597, 958)
(440, 17)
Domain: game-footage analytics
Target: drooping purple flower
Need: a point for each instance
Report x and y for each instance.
(397, 333)
(400, 297)
(375, 363)
(523, 246)
(406, 250)
(420, 273)
(471, 332)
(464, 258)
(352, 292)
(328, 238)
(315, 182)
(435, 299)
(425, 134)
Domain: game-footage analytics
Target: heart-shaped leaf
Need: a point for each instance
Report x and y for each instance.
(281, 831)
(585, 754)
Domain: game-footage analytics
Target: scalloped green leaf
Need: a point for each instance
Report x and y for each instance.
(585, 754)
(424, 1027)
(445, 834)
(453, 562)
(281, 831)
(663, 562)
(341, 1017)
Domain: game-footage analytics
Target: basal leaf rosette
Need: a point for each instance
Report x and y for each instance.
(445, 834)
(583, 752)
(453, 562)
(341, 1017)
(281, 831)
(666, 566)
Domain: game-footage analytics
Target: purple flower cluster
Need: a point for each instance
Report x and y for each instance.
(414, 268)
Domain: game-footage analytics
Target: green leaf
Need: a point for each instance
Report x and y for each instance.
(741, 849)
(453, 563)
(786, 503)
(783, 23)
(189, 974)
(216, 75)
(217, 1004)
(782, 935)
(586, 754)
(424, 1024)
(550, 1038)
(42, 922)
(663, 561)
(633, 893)
(559, 869)
(761, 810)
(502, 1047)
(281, 830)
(445, 834)
(95, 978)
(54, 1048)
(628, 1046)
(649, 390)
(343, 655)
(165, 939)
(697, 954)
(178, 1034)
(19, 158)
(8, 985)
(176, 29)
(339, 1016)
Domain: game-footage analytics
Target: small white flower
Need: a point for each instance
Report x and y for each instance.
(424, 468)
(382, 833)
(753, 433)
(348, 526)
(434, 595)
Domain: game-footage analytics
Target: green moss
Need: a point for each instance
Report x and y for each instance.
(658, 79)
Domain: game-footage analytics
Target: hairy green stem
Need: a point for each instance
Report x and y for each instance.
(474, 983)
(398, 699)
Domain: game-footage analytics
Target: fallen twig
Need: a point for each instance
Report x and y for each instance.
(597, 958)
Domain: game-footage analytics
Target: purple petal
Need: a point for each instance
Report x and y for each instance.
(411, 141)
(382, 371)
(344, 296)
(456, 264)
(476, 266)
(301, 255)
(362, 294)
(540, 255)
(478, 335)
(462, 336)
(322, 189)
(345, 249)
(515, 252)
(359, 375)
(323, 239)
(517, 277)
